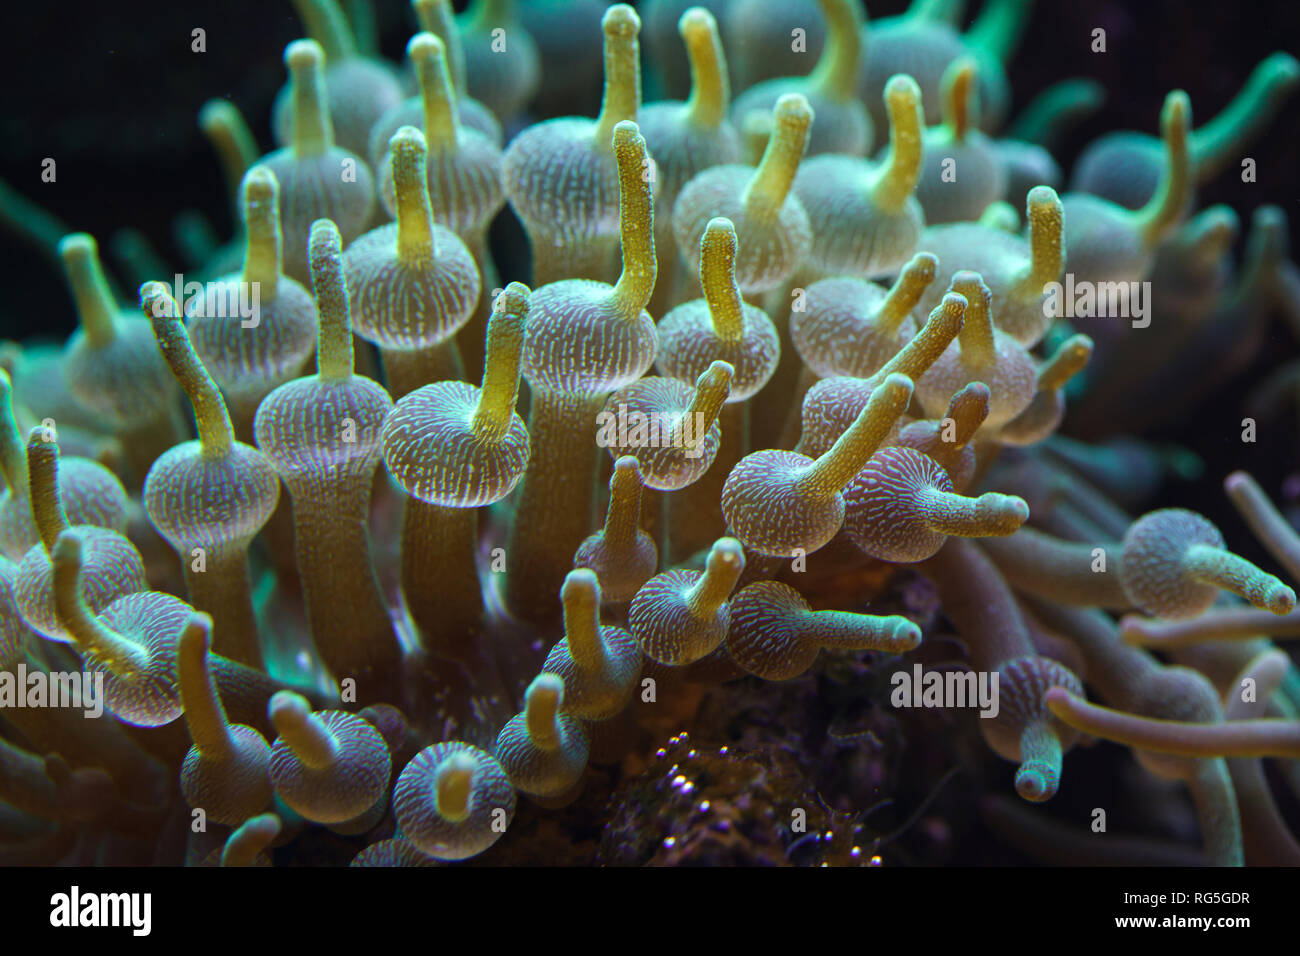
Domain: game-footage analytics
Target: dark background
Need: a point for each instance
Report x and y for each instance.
(112, 91)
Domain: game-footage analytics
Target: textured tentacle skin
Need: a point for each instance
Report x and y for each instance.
(412, 285)
(599, 665)
(622, 556)
(225, 773)
(1174, 563)
(831, 406)
(329, 766)
(322, 434)
(1017, 272)
(453, 801)
(543, 751)
(720, 327)
(987, 616)
(803, 494)
(310, 169)
(675, 433)
(454, 448)
(685, 138)
(901, 507)
(561, 177)
(209, 498)
(112, 365)
(853, 327)
(772, 229)
(775, 634)
(132, 644)
(113, 567)
(983, 353)
(948, 440)
(584, 339)
(831, 88)
(247, 363)
(680, 616)
(463, 174)
(865, 218)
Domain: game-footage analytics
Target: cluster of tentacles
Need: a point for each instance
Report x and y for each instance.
(344, 558)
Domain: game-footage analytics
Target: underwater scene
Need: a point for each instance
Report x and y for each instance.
(742, 433)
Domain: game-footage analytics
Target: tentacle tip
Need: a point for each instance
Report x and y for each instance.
(1238, 481)
(898, 387)
(67, 549)
(793, 107)
(286, 704)
(1041, 197)
(1177, 113)
(324, 240)
(157, 303)
(628, 134)
(580, 581)
(512, 300)
(629, 465)
(77, 245)
(695, 20)
(216, 113)
(1016, 511)
(197, 632)
(409, 139)
(1283, 68)
(1269, 217)
(902, 90)
(1059, 701)
(546, 686)
(1133, 630)
(727, 552)
(426, 46)
(1280, 600)
(716, 375)
(620, 20)
(720, 227)
(923, 266)
(1037, 782)
(906, 637)
(303, 55)
(259, 184)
